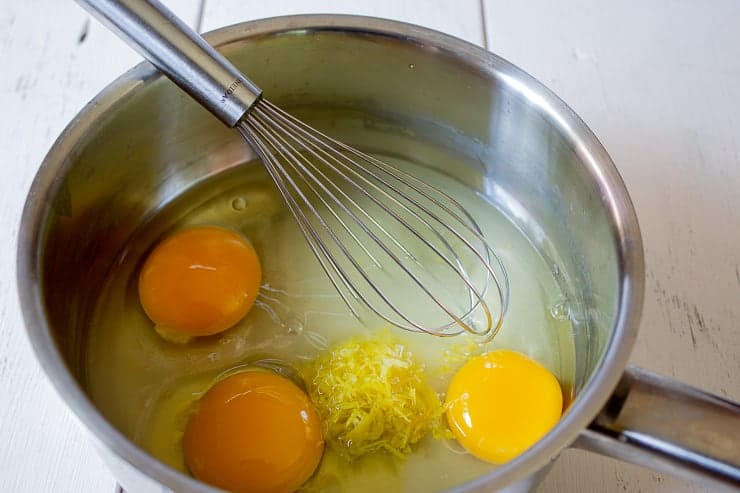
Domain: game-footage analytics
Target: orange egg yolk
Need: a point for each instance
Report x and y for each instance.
(200, 281)
(254, 432)
(499, 404)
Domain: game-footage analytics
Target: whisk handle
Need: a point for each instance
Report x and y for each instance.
(178, 51)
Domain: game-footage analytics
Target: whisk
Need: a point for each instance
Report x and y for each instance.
(390, 242)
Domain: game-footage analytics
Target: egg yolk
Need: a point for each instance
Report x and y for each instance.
(500, 403)
(254, 432)
(200, 281)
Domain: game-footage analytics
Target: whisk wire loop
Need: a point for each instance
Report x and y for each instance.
(390, 197)
(315, 173)
(300, 164)
(417, 185)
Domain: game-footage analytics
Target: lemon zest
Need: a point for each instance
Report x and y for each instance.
(372, 396)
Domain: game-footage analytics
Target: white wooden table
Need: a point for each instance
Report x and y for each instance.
(658, 81)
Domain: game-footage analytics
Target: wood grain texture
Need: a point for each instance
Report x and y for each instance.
(659, 83)
(54, 60)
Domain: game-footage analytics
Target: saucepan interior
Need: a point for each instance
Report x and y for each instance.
(382, 86)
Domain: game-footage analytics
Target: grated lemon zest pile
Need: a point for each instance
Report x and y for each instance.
(373, 396)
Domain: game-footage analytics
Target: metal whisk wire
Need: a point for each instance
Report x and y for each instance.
(300, 160)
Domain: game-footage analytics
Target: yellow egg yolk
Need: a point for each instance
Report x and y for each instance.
(500, 403)
(200, 281)
(254, 432)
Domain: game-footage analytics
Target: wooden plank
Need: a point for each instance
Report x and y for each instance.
(55, 59)
(659, 82)
(460, 18)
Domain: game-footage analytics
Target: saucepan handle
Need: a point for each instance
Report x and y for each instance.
(668, 426)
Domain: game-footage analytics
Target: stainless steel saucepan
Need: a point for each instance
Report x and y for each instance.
(141, 143)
